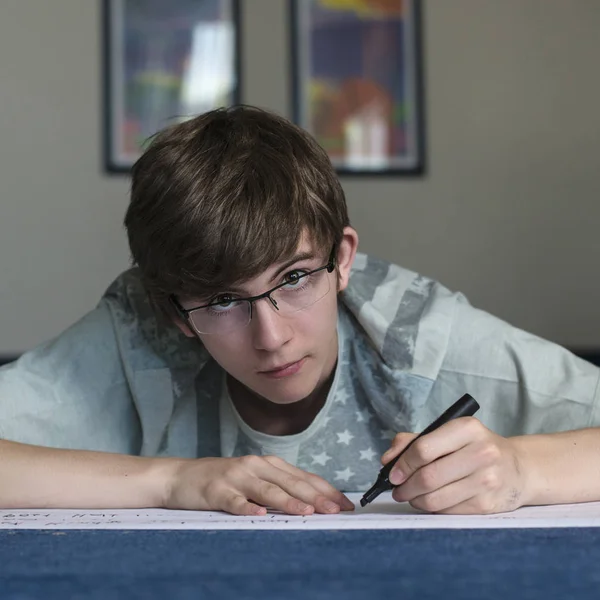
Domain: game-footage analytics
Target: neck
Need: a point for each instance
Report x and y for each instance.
(277, 419)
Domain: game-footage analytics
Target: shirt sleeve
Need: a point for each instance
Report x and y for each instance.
(71, 392)
(524, 384)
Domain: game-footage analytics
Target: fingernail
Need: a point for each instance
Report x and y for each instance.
(397, 477)
(330, 506)
(348, 504)
(302, 506)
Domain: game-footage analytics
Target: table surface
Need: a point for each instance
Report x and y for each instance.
(494, 564)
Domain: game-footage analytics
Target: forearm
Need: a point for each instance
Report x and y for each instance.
(560, 468)
(39, 477)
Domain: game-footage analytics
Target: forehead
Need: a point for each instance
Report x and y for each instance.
(305, 251)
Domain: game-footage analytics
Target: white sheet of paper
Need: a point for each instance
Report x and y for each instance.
(383, 513)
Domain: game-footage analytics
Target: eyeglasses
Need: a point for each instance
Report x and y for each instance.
(226, 313)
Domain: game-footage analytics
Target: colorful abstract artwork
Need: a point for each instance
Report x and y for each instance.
(164, 62)
(357, 82)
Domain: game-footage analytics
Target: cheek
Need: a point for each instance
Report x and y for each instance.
(228, 351)
(321, 322)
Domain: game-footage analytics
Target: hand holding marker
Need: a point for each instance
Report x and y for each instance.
(466, 406)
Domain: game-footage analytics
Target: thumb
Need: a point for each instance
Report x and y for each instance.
(398, 444)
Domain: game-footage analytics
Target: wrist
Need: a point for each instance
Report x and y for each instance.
(533, 485)
(163, 476)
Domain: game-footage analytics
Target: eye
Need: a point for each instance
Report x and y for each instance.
(292, 278)
(223, 301)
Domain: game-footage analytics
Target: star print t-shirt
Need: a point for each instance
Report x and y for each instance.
(344, 442)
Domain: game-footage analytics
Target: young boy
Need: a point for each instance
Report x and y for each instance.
(253, 358)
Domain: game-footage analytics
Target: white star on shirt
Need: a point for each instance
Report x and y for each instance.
(341, 397)
(321, 459)
(387, 434)
(344, 475)
(325, 421)
(363, 415)
(368, 454)
(344, 437)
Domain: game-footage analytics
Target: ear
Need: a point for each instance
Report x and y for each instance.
(183, 327)
(345, 256)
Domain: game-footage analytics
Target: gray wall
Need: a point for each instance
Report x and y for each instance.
(508, 212)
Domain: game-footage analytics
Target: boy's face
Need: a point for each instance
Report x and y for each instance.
(284, 357)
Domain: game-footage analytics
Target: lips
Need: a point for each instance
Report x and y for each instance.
(284, 370)
(280, 367)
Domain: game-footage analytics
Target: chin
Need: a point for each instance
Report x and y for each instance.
(286, 394)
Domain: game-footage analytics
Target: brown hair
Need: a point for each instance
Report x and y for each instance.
(218, 199)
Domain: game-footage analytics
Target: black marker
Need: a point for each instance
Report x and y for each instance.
(464, 407)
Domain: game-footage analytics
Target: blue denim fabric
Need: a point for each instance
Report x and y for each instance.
(534, 564)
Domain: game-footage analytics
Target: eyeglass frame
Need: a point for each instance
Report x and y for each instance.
(184, 313)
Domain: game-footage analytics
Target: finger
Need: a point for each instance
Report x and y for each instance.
(300, 489)
(471, 506)
(467, 496)
(478, 505)
(446, 497)
(314, 481)
(450, 437)
(398, 444)
(493, 496)
(236, 504)
(442, 472)
(309, 487)
(269, 494)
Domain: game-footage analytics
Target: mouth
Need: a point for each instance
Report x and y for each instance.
(284, 370)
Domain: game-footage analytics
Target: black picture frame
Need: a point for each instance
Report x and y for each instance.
(391, 140)
(124, 131)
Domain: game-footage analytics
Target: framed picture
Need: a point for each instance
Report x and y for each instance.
(164, 62)
(357, 82)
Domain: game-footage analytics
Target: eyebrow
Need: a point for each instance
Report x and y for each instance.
(299, 257)
(293, 260)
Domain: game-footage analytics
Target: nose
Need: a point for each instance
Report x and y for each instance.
(270, 330)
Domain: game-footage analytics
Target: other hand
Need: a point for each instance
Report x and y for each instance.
(247, 485)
